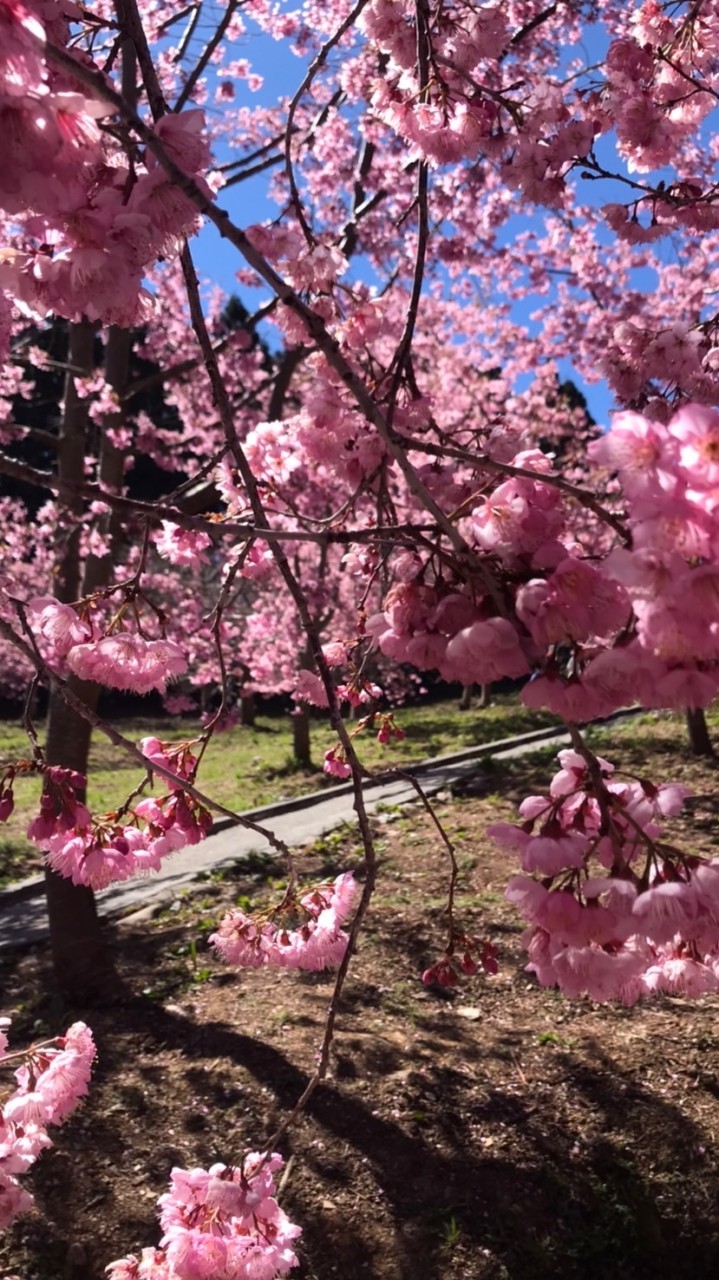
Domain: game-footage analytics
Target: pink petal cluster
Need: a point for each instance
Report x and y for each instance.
(182, 547)
(123, 660)
(613, 911)
(51, 1082)
(127, 661)
(304, 933)
(335, 764)
(221, 1223)
(99, 851)
(93, 221)
(637, 622)
(310, 688)
(57, 627)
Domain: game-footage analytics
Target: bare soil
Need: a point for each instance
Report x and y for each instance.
(496, 1132)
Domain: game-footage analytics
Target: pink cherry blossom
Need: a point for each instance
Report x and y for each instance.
(316, 941)
(126, 661)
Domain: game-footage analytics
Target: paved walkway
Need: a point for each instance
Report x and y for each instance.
(23, 918)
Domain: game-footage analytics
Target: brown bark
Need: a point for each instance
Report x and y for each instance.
(248, 709)
(465, 701)
(79, 954)
(301, 736)
(83, 968)
(700, 743)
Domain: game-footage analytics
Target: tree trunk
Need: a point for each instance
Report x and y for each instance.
(248, 710)
(465, 701)
(301, 736)
(700, 744)
(483, 699)
(82, 967)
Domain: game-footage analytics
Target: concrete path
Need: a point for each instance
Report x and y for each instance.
(22, 907)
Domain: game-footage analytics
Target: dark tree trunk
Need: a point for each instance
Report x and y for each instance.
(248, 709)
(301, 736)
(465, 701)
(700, 744)
(82, 968)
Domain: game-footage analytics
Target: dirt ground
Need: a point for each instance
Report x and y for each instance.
(496, 1132)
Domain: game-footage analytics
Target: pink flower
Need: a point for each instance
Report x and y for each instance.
(666, 910)
(316, 942)
(49, 1087)
(636, 448)
(182, 546)
(571, 699)
(335, 653)
(548, 855)
(57, 623)
(310, 688)
(184, 140)
(484, 652)
(14, 1200)
(335, 765)
(126, 661)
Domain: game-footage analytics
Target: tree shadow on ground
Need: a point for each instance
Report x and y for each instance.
(554, 1204)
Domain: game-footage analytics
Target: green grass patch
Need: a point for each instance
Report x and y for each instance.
(245, 768)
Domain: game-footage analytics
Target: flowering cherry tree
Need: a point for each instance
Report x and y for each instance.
(390, 483)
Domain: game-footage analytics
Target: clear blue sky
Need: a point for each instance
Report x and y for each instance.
(247, 202)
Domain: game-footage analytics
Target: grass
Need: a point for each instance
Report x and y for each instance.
(245, 768)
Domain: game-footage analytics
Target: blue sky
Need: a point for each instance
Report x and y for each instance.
(247, 202)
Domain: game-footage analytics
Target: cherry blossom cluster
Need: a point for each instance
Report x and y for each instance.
(597, 632)
(50, 1082)
(219, 1222)
(123, 659)
(98, 851)
(97, 215)
(182, 547)
(614, 911)
(464, 957)
(303, 932)
(657, 90)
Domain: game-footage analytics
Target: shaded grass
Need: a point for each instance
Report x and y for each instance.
(245, 768)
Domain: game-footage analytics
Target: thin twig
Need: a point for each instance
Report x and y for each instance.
(206, 54)
(315, 66)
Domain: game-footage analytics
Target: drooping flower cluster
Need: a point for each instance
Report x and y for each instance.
(97, 851)
(95, 220)
(462, 637)
(51, 1082)
(121, 660)
(463, 958)
(222, 1223)
(638, 622)
(303, 932)
(614, 911)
